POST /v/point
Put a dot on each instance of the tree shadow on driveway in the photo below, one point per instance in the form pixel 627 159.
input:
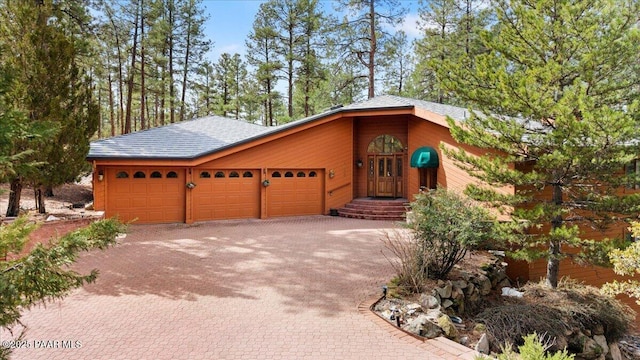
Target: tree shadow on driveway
pixel 323 263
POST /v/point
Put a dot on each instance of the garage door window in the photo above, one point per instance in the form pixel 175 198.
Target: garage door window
pixel 247 174
pixel 276 174
pixel 301 174
pixel 288 174
pixel 122 175
pixel 219 174
pixel 172 175
pixel 205 174
pixel 234 174
pixel 156 175
pixel 139 175
pixel 312 174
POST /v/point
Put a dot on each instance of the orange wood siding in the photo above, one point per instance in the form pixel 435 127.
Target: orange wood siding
pixel 450 176
pixel 368 129
pixel 99 189
pixel 327 146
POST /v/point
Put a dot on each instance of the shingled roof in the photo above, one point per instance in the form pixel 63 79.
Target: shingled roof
pixel 194 138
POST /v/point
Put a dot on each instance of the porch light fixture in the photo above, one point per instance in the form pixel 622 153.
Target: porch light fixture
pixel 359 163
pixel 100 176
pixel 266 182
pixel 191 185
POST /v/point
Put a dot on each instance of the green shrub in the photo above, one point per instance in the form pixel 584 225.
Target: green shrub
pixel 534 348
pixel 446 225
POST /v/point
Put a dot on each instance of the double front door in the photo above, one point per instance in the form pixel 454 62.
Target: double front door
pixel 385 175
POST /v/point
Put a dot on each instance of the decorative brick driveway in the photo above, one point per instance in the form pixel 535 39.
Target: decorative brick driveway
pixel 253 289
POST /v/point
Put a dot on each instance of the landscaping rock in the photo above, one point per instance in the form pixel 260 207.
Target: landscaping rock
pixel 614 352
pixel 433 314
pixel 448 327
pixel 591 350
pixel 483 345
pixel 460 284
pixel 414 325
pixel 602 341
pixel 447 303
pixel 484 284
pixel 431 330
pixel 457 294
pixel 470 289
pixel 445 291
pixel 504 283
pixel 429 302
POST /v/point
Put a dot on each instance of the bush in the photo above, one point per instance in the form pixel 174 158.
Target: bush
pixel 404 259
pixel 556 313
pixel 626 262
pixel 534 348
pixel 446 225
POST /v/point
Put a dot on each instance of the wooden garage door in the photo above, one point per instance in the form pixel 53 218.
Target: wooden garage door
pixel 295 192
pixel 146 194
pixel 226 194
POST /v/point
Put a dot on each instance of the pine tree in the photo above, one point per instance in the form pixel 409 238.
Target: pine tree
pixel 556 105
pixel 261 54
pixel 450 30
pixel 229 73
pixel 362 32
pixel 51 88
pixel 397 64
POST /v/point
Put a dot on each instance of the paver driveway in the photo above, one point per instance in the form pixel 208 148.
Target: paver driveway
pixel 253 289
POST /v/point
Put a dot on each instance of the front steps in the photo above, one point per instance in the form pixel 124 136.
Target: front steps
pixel 375 209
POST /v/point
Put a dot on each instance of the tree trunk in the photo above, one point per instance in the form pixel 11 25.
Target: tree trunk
pixel 237 91
pixel 134 48
pixel 553 262
pixel 290 73
pixel 112 118
pixel 172 94
pixel 120 79
pixel 13 208
pixel 40 205
pixel 100 119
pixel 143 124
pixel 373 48
pixel 185 73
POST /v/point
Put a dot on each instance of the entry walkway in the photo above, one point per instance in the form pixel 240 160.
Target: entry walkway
pixel 290 288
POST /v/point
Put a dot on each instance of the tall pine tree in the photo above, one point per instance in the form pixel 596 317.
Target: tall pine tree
pixel 558 112
pixel 50 88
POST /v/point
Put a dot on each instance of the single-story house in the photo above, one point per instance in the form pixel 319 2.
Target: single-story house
pixel 216 168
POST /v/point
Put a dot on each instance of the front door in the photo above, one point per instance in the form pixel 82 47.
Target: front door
pixel 385 175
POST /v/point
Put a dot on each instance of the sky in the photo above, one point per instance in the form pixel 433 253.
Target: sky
pixel 230 23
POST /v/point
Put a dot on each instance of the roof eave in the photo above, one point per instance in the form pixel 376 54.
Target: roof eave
pixel 274 131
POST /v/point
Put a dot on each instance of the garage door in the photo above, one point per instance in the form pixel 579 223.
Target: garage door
pixel 148 195
pixel 226 194
pixel 295 192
